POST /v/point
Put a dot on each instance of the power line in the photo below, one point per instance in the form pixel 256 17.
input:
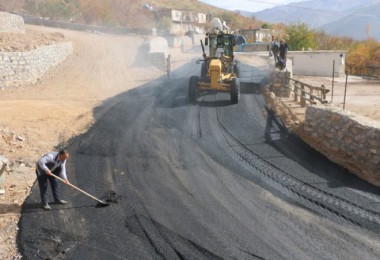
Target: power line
pixel 289 5
pixel 368 15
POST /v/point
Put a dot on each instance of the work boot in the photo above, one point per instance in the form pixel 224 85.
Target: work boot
pixel 46 206
pixel 61 202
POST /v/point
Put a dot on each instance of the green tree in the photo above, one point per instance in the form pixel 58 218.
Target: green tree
pixel 300 36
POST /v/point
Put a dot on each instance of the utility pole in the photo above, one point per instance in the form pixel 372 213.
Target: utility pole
pixel 345 91
pixel 182 43
pixel 333 79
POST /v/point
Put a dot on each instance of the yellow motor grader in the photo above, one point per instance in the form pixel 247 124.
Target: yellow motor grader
pixel 219 69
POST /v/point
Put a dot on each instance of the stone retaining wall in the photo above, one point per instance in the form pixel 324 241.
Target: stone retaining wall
pixel 21 68
pixel 350 140
pixel 279 83
pixel 11 23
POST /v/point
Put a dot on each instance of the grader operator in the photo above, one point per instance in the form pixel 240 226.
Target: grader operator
pixel 219 69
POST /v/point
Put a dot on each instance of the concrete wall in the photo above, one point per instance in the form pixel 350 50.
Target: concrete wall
pixel 20 68
pixel 11 23
pixel 350 140
pixel 252 47
pixel 317 63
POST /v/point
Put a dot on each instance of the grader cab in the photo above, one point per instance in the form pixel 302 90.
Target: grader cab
pixel 219 69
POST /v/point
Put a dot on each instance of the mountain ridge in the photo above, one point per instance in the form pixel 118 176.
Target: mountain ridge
pixel 360 25
pixel 332 16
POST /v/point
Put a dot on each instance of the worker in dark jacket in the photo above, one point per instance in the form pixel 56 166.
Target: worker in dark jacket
pixel 283 51
pixel 49 164
pixel 275 49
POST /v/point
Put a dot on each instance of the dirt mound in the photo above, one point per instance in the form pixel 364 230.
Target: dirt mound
pixel 12 42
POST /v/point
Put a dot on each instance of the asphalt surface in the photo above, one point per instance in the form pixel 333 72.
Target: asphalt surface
pixel 204 181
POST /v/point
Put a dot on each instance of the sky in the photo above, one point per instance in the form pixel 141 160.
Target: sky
pixel 248 5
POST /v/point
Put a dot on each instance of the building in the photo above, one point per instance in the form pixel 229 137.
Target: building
pixel 256 35
pixel 178 22
pixel 318 63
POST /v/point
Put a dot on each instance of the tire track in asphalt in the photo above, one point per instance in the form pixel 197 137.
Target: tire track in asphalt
pixel 311 196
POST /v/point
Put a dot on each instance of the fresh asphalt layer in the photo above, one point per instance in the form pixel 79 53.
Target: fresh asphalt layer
pixel 200 181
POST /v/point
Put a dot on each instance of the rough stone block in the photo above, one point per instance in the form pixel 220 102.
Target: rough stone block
pixel 356 138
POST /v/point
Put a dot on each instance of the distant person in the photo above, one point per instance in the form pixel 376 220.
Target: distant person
pixel 49 164
pixel 225 27
pixel 182 46
pixel 270 46
pixel 275 50
pixel 192 36
pixel 168 69
pixel 283 51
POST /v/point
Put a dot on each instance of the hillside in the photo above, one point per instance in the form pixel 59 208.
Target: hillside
pixel 126 13
pixel 314 13
pixel 359 25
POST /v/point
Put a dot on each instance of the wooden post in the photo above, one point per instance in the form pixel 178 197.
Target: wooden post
pixel 312 96
pixel 333 79
pixel 303 101
pixel 296 91
pixel 345 91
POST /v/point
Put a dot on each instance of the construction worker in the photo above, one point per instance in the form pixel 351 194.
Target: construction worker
pixel 182 46
pixel 283 51
pixel 270 46
pixel 49 164
pixel 275 50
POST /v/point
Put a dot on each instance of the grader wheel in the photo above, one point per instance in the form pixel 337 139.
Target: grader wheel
pixel 235 91
pixel 204 71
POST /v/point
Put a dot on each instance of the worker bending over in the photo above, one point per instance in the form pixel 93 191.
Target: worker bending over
pixel 51 163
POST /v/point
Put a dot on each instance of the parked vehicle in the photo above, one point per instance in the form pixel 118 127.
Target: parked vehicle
pixel 239 39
